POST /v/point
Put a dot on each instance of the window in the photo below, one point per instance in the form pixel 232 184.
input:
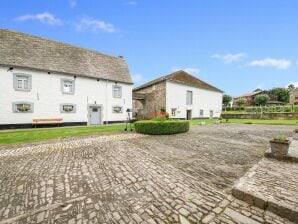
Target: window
pixel 117 109
pixel 22 82
pixel 117 91
pixel 201 113
pixel 22 107
pixel 211 113
pixel 67 108
pixel 189 98
pixel 296 97
pixel 173 111
pixel 67 86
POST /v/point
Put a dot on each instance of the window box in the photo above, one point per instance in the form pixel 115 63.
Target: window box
pixel 67 108
pixel 22 107
pixel 117 110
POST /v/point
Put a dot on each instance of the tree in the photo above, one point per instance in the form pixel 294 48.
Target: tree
pixel 291 87
pixel 280 94
pixel 257 90
pixel 226 100
pixel 261 100
pixel 240 102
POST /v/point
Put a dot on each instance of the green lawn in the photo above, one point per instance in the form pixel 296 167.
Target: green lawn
pixel 260 121
pixel 32 135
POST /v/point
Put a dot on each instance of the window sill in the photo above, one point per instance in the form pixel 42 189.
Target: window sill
pixel 23 90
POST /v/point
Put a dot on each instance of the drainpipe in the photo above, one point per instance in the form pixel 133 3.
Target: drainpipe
pixel 106 109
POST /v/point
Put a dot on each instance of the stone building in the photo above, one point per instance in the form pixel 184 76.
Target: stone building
pixel 46 80
pixel 294 97
pixel 248 97
pixel 181 95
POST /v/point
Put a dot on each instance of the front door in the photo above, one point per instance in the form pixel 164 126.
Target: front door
pixel 188 115
pixel 211 114
pixel 95 115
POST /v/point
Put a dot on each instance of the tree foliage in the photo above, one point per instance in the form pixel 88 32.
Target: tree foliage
pixel 226 99
pixel 291 87
pixel 261 100
pixel 240 102
pixel 280 94
pixel 257 90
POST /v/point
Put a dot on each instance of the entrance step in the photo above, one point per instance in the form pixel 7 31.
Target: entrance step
pixel 271 185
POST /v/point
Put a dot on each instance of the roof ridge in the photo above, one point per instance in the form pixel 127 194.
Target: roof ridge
pixel 60 42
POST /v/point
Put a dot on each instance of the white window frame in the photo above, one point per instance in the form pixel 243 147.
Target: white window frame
pixel 22 77
pixel 174 112
pixel 120 91
pixel 14 107
pixel 189 101
pixel 68 104
pixel 113 107
pixel 73 86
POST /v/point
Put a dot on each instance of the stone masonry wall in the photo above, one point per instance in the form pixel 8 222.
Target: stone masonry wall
pixel 155 99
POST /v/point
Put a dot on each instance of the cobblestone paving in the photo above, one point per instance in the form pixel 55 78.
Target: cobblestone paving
pixel 271 184
pixel 109 179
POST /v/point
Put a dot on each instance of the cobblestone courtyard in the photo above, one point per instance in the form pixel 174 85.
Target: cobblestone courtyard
pixel 131 178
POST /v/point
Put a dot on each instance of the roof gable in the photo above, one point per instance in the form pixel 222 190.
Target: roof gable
pixel 183 78
pixel 29 51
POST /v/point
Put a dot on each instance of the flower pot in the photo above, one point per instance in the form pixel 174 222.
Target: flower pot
pixel 280 148
pixel 295 136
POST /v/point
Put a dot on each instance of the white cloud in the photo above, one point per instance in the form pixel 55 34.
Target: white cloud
pixel 229 58
pixel 72 3
pixel 44 17
pixel 194 71
pixel 137 78
pixel 272 62
pixel 94 25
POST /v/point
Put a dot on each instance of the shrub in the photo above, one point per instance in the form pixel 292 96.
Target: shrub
pixel 280 138
pixel 161 127
pixel 159 118
pixel 296 130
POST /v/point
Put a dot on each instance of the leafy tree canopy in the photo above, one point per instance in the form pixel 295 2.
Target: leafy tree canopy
pixel 280 94
pixel 226 99
pixel 261 100
pixel 257 90
pixel 291 87
pixel 240 102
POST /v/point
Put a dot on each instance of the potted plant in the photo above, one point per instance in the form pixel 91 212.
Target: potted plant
pixel 295 135
pixel 280 145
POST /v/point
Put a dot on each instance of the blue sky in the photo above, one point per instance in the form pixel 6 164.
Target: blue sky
pixel 235 45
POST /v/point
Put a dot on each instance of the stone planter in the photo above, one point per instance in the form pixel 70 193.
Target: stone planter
pixel 295 136
pixel 279 148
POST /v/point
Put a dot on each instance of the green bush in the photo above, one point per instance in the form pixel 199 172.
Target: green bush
pixel 159 118
pixel 161 127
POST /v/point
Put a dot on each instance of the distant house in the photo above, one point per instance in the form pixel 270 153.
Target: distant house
pixel 294 97
pixel 248 97
pixel 44 80
pixel 181 95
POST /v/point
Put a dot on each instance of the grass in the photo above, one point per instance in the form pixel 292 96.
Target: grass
pixel 261 121
pixel 33 135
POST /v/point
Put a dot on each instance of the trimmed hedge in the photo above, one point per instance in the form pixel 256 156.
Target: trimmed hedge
pixel 161 127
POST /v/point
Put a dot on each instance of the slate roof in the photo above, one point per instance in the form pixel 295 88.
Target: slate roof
pixel 249 94
pixel 24 50
pixel 183 78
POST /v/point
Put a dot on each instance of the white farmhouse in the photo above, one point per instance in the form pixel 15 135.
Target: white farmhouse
pixel 43 81
pixel 182 95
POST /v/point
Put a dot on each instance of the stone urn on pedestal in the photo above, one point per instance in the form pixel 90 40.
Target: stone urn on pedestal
pixel 280 145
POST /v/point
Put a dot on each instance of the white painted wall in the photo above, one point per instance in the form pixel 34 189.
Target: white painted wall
pixel 47 96
pixel 202 99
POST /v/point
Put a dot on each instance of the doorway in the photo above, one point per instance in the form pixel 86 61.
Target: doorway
pixel 94 115
pixel 188 115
